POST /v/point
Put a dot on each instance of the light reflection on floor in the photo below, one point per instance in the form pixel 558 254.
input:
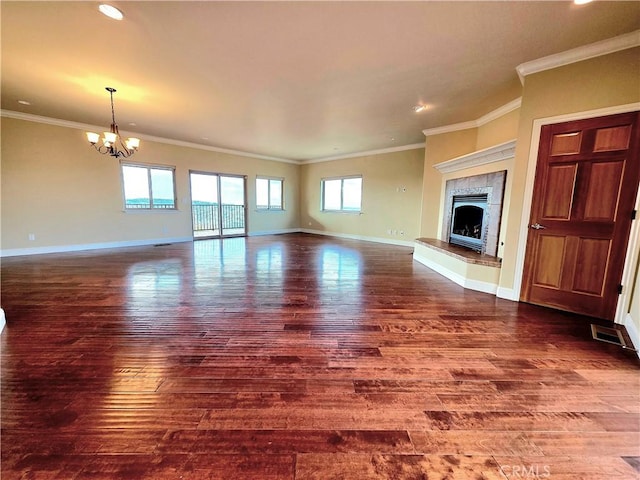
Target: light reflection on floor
pixel 149 281
pixel 234 268
pixel 340 270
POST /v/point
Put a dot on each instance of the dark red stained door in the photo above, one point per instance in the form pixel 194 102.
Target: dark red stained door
pixel 584 193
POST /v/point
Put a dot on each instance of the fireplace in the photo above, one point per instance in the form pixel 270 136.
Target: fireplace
pixel 468 221
pixel 472 213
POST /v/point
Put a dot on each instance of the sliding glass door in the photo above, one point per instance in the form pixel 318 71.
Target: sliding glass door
pixel 232 200
pixel 218 205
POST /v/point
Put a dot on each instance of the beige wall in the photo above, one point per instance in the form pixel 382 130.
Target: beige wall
pixel 446 146
pixel 498 131
pixel 55 186
pixel 439 148
pixel 385 205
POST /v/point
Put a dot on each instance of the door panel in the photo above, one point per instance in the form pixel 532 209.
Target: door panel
pixel 205 205
pixel 614 138
pixel 603 191
pixel 590 269
pixel 232 200
pixel 549 274
pixel 585 188
pixel 559 191
pixel 566 143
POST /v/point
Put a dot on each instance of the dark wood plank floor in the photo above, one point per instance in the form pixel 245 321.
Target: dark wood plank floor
pixel 298 357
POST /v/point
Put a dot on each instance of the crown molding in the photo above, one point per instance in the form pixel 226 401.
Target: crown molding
pixel 483 120
pixel 413 146
pixel 85 126
pixel 585 52
pixel 500 111
pixel 169 141
pixel 454 127
pixel 493 154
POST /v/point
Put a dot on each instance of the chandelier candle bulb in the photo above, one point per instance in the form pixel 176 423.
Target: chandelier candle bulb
pixel 93 137
pixel 109 137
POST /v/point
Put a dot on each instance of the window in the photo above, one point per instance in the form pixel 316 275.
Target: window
pixel 147 187
pixel 269 193
pixel 342 194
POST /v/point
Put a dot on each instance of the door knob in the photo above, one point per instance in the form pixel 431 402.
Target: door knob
pixel 537 226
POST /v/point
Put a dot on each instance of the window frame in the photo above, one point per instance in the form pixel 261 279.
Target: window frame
pixel 342 209
pixel 269 207
pixel 149 167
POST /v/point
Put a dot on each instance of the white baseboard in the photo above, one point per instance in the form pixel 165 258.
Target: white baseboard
pixel 507 294
pixel 632 330
pixel 3 320
pixel 471 284
pixel 14 252
pixel 274 232
pixel 388 241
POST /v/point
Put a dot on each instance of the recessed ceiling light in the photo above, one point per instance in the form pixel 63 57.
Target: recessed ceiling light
pixel 111 12
pixel 581 2
pixel 24 102
pixel 132 124
pixel 420 108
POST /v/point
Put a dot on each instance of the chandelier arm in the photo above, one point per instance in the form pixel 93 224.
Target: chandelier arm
pixel 99 148
pixel 126 149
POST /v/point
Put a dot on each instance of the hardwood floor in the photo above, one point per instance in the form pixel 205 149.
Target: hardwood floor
pixel 298 357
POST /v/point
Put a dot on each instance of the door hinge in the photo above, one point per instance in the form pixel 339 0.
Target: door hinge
pixel 620 289
pixel 633 214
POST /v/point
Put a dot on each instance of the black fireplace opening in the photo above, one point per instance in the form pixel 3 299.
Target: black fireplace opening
pixel 468 221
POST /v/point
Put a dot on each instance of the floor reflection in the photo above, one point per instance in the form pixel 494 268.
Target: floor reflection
pixel 149 283
pixel 215 257
pixel 269 265
pixel 340 270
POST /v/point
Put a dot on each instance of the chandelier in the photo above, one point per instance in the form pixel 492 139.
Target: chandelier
pixel 112 143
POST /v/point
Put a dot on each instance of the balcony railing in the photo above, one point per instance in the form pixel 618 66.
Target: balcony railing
pixel 147 206
pixel 206 217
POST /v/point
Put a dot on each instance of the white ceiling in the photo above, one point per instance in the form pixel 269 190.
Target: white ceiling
pixel 292 80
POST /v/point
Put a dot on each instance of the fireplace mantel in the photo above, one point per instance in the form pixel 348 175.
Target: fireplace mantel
pixel 493 154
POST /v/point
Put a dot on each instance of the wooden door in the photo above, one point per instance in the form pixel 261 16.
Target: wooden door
pixel 584 193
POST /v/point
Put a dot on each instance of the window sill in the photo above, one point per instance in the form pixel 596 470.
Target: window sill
pixel 346 212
